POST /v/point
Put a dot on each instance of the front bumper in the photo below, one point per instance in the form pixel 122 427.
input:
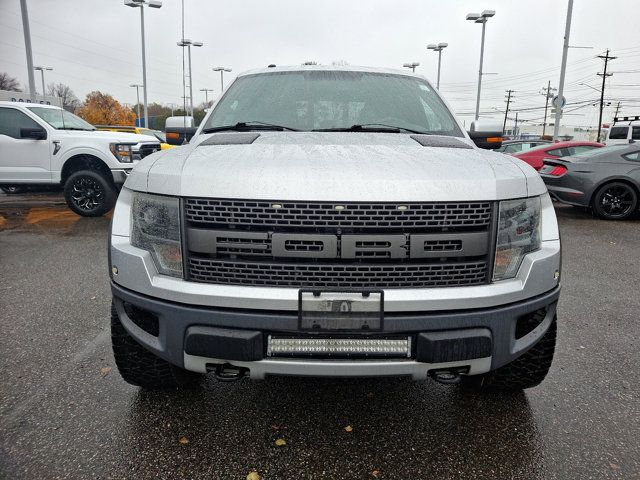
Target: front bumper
pixel 239 336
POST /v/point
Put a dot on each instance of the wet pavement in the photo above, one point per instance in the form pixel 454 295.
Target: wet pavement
pixel 65 412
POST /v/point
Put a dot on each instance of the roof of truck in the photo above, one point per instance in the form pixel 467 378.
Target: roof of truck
pixel 332 68
pixel 5 103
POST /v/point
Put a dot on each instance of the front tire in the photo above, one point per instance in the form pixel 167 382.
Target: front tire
pixel 527 371
pixel 139 367
pixel 89 193
pixel 615 201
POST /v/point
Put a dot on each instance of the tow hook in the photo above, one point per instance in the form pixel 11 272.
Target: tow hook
pixel 449 376
pixel 229 373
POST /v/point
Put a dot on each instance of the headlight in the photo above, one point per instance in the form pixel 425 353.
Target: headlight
pixel 518 234
pixel 122 151
pixel 155 227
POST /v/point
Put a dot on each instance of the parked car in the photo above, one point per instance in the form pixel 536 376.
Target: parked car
pixel 157 134
pixel 518 146
pixel 46 145
pixel 536 156
pixel 606 179
pixel 334 221
pixel 623 130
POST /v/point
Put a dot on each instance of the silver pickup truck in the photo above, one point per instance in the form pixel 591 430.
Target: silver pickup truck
pixel 334 221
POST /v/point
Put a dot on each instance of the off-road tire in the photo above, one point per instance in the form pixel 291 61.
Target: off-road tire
pixel 620 190
pixel 140 367
pixel 89 193
pixel 527 371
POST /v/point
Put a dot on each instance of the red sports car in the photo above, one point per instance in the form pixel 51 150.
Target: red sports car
pixel 536 156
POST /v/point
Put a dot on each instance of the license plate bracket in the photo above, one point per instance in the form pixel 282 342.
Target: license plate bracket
pixel 355 310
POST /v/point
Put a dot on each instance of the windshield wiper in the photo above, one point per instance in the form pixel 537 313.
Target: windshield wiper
pixel 369 127
pixel 80 129
pixel 253 125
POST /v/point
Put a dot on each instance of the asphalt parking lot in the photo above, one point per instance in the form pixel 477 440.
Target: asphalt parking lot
pixel 66 413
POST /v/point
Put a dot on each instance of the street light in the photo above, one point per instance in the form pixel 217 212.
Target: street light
pixel 221 70
pixel 185 42
pixel 480 18
pixel 206 94
pixel 42 69
pixel 137 87
pixel 412 66
pixel 141 4
pixel 438 48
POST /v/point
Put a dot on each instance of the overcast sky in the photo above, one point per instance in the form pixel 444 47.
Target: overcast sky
pixel 95 45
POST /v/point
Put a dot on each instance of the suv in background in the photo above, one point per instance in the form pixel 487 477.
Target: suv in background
pixel 624 130
pixel 46 145
pixel 157 134
pixel 334 221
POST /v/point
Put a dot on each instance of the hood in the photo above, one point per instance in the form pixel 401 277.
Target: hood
pixel 332 166
pixel 123 137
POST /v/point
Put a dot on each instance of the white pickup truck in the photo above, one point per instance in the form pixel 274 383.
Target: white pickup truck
pixel 43 144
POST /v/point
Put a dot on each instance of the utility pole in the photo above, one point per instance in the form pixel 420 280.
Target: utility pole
pixel 615 115
pixel 27 46
pixel 547 94
pixel 563 68
pixel 515 128
pixel 506 112
pixel 604 76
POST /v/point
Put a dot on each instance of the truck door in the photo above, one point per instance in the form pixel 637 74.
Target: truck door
pixel 22 160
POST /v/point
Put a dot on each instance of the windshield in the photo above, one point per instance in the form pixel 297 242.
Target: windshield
pixel 61 119
pixel 600 151
pixel 154 133
pixel 319 100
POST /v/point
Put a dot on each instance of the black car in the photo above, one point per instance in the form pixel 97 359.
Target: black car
pixel 606 179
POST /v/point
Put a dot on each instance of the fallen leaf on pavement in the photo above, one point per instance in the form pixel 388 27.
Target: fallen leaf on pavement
pixel 104 371
pixel 375 473
pixel 348 428
pixel 253 476
pixel 184 440
pixel 280 442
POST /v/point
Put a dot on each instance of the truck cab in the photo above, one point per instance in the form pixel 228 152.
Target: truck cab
pixel 624 130
pixel 46 145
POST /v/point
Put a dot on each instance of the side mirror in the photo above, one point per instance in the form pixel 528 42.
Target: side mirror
pixel 179 135
pixel 486 134
pixel 35 133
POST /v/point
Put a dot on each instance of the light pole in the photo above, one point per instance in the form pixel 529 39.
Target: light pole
pixel 480 18
pixel 206 94
pixel 137 87
pixel 563 68
pixel 185 42
pixel 438 48
pixel 221 70
pixel 42 69
pixel 412 66
pixel 141 4
pixel 27 44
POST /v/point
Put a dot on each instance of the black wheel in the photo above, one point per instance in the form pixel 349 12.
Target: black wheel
pixel 89 193
pixel 615 201
pixel 526 371
pixel 140 367
pixel 13 189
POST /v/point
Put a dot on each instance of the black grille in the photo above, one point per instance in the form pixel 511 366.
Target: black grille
pixel 148 149
pixel 330 275
pixel 359 216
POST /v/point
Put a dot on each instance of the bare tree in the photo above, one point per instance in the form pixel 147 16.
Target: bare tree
pixel 69 99
pixel 9 83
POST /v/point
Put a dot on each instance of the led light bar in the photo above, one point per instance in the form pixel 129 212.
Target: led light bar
pixel 335 347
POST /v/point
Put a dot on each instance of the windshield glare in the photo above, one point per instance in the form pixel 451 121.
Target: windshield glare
pixel 316 100
pixel 61 119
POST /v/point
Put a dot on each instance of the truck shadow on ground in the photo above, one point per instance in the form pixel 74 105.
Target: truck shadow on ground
pixel 231 429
